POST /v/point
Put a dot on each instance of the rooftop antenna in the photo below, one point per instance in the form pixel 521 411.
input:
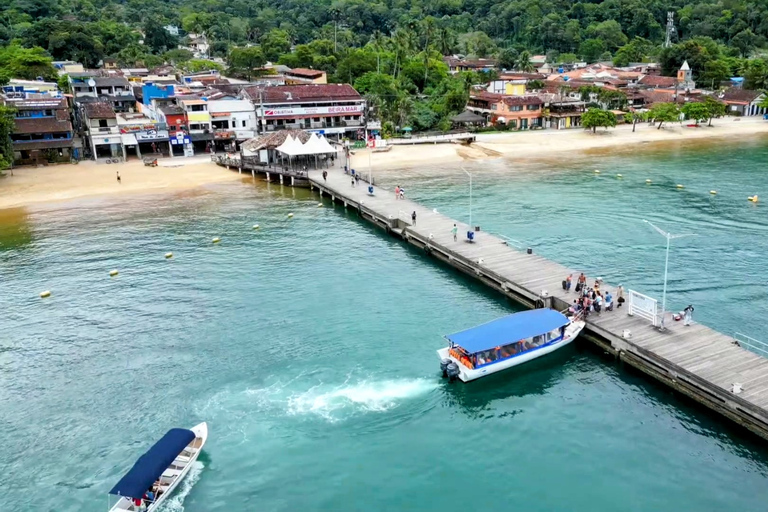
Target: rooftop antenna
pixel 670 29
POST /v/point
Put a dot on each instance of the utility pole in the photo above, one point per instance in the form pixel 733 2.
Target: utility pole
pixel 260 119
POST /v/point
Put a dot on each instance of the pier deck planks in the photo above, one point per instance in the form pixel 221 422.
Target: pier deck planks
pixel 708 358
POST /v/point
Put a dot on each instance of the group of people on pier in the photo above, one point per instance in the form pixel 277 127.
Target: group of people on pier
pixel 591 299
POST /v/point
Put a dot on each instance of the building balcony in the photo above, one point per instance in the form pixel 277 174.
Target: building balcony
pixel 102 130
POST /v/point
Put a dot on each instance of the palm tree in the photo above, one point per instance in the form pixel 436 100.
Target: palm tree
pixel 445 41
pixel 429 29
pixel 523 62
pixel 401 45
pixel 378 40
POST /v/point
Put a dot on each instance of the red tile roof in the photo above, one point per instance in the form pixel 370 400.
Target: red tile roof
pixel 523 100
pixel 99 110
pixel 305 73
pixel 739 95
pixel 658 81
pixel 42 125
pixel 309 92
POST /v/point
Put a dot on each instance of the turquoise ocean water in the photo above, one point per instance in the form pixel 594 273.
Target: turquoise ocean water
pixel 309 345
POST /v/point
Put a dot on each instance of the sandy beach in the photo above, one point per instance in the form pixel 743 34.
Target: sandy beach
pixel 34 185
pixel 30 185
pixel 545 143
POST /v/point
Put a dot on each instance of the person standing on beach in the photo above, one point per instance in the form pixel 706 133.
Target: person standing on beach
pixel 118 178
pixel 455 231
pixel 413 217
pixel 397 192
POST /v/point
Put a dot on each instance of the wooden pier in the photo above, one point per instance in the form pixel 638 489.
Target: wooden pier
pixel 695 360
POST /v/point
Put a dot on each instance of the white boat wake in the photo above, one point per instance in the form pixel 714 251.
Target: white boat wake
pixel 176 502
pixel 377 396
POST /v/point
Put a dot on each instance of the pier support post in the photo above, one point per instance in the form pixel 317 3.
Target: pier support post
pixel 253 173
pixel 267 177
pixel 345 204
pixel 227 167
pixel 281 179
pixel 239 170
pixel 292 181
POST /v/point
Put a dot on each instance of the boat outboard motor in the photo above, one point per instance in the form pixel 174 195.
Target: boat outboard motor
pixel 453 371
pixel 444 367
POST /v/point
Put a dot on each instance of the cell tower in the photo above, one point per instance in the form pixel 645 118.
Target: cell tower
pixel 670 29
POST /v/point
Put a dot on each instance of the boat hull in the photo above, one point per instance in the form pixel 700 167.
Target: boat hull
pixel 468 374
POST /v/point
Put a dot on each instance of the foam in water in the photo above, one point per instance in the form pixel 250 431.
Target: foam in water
pixel 362 397
pixel 176 502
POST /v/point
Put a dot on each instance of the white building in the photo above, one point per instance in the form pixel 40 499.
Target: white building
pixel 232 120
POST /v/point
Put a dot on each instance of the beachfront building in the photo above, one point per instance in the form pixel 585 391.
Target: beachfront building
pixel 232 121
pixel 42 131
pixel 199 123
pixel 100 121
pixel 175 118
pixel 82 84
pixel 517 112
pixel 563 113
pixel 335 110
pixel 117 91
pixel 141 135
pixel 742 102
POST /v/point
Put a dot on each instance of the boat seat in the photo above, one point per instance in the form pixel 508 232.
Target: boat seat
pixel 171 473
pixel 182 459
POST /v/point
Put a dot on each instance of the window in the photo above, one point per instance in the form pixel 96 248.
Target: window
pixel 516 108
pixel 534 107
pixel 316 119
pixel 244 123
pixel 102 123
pixel 493 106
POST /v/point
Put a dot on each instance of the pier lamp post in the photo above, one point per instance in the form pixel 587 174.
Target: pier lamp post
pixel 668 236
pixel 470 196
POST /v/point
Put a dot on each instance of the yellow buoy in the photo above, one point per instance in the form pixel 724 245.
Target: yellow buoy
pixel 168 255
pixel 113 273
pixel 290 215
pixel 753 198
pixel 319 205
pixel 46 293
pixel 619 176
pixel 597 172
pixel 680 186
pixel 216 240
pixel 255 226
pixel 648 181
pixel 713 192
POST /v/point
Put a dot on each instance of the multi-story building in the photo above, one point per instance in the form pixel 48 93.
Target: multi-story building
pixel 175 118
pixel 43 131
pixel 517 112
pixel 141 135
pixel 232 120
pixel 198 122
pixel 305 76
pixel 117 91
pixel 330 109
pixel 100 121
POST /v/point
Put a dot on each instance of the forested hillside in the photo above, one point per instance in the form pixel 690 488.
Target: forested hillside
pixel 390 50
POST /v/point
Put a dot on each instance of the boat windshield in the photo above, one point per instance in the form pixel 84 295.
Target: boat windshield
pixel 503 352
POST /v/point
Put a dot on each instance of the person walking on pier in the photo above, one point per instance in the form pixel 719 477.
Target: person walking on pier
pixel 688 315
pixel 325 176
pixel 455 231
pixel 413 217
pixel 353 181
pixel 619 296
pixel 568 282
pixel 581 282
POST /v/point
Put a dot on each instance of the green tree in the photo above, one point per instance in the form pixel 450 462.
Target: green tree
pixel 63 83
pixel 7 125
pixel 156 37
pixel 594 118
pixel 568 58
pixel 26 63
pixel 178 56
pixel 524 63
pixel 714 108
pixel 609 32
pixel 755 72
pixel 715 71
pixel 664 112
pixel 246 59
pixel 274 43
pixel 198 65
pixel 591 49
pixel 695 111
pixel 506 58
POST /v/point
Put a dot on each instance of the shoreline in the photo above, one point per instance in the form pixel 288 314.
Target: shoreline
pixel 31 186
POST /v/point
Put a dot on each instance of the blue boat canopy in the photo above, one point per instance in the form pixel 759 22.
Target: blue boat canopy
pixel 508 329
pixel 151 465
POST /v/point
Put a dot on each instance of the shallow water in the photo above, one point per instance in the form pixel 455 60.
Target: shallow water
pixel 308 347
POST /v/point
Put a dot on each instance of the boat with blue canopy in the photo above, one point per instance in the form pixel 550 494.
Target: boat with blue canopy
pixel 506 342
pixel 160 470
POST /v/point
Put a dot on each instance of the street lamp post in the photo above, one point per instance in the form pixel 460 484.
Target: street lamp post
pixel 470 197
pixel 668 236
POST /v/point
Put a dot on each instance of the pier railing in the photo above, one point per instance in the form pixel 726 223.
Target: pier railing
pixel 758 347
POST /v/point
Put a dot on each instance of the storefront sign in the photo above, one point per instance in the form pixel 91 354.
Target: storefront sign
pixel 137 128
pixel 152 134
pixel 298 111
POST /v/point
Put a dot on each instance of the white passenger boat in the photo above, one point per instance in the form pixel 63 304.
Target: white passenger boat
pixel 160 470
pixel 506 342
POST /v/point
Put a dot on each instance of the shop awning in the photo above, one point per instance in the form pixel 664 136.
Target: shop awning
pixel 128 139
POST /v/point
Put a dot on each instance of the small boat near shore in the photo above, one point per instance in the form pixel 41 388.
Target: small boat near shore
pixel 506 342
pixel 160 470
